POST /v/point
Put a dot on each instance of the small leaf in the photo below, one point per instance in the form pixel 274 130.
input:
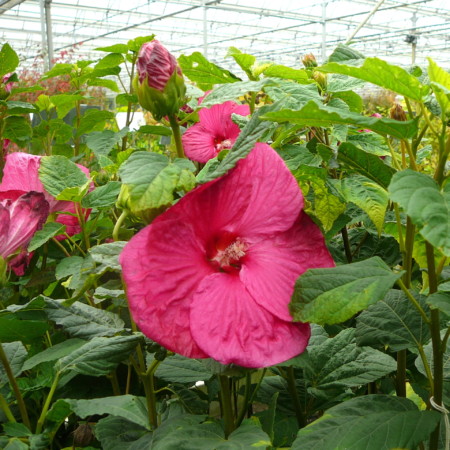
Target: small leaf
pixel 154 129
pixel 441 301
pixel 49 231
pixel 278 71
pixel 65 102
pixel 93 120
pixel 16 354
pixel 8 60
pixel 295 95
pixel 428 206
pixel 102 142
pixel 379 422
pixel 103 196
pixel 244 60
pixel 111 60
pixel 17 129
pixel 178 369
pixel 344 53
pixel 328 296
pixel 116 48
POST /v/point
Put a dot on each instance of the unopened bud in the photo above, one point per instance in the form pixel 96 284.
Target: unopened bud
pixel 309 60
pixel 320 78
pixel 6 87
pixel 397 113
pixel 159 83
pixel 83 435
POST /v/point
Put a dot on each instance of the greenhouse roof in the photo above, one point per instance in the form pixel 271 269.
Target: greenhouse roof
pixel 398 31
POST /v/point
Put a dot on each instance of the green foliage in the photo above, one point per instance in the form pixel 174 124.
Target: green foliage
pixel 8 60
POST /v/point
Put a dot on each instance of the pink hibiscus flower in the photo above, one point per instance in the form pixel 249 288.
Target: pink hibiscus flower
pixel 214 274
pixel 21 215
pixel 21 172
pixel 215 131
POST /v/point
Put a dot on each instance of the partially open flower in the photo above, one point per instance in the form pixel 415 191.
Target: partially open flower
pixel 214 274
pixel 159 83
pixel 397 113
pixel 214 132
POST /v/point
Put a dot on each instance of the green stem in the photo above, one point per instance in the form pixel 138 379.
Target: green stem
pixel 114 383
pixel 5 407
pixel 347 248
pixel 46 407
pixel 401 242
pixel 76 140
pixel 120 220
pixel 176 135
pixel 412 159
pixel 82 221
pixel 290 378
pixel 63 249
pixel 13 382
pixel 438 366
pixel 413 301
pixel 252 102
pixel 409 247
pixel 443 156
pixel 148 381
pixel 426 365
pixel 227 409
pixel 244 408
pixel 401 374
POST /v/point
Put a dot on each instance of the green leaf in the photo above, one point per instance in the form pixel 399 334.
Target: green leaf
pixel 107 255
pixel 352 99
pixel 295 95
pixel 232 91
pixel 16 354
pixel 393 322
pixel 440 79
pixel 57 173
pixel 83 321
pixel 203 72
pixel 15 107
pixel 369 196
pixel 381 73
pixel 155 129
pixel 57 70
pixel 102 142
pixel 109 84
pixel 49 231
pixel 117 433
pixel 128 407
pixel 16 429
pixel 342 83
pixel 328 296
pixel 99 356
pixel 428 206
pixel 17 129
pixel 111 60
pixel 94 120
pixel 278 71
pixel 244 60
pixel 103 196
pixel 178 369
pixel 379 422
pixel 124 99
pixel 8 60
pixel 350 366
pixel 344 53
pixel 245 142
pixel 53 353
pixel 151 179
pixel 13 329
pixel 135 44
pixel 65 102
pixel 441 301
pixel 370 143
pixel 366 164
pixel 313 114
pixel 116 48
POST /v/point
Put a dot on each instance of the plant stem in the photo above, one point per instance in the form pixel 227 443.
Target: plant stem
pixel 244 409
pixel 347 248
pixel 413 301
pixel 401 374
pixel 149 387
pixel 227 409
pixel 13 382
pixel 290 378
pixel 176 135
pixel 443 156
pixel 5 407
pixel 252 102
pixel 409 247
pixel 114 383
pixel 438 366
pixel 48 400
pixel 120 220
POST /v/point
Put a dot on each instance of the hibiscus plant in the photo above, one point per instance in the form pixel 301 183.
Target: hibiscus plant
pixel 263 264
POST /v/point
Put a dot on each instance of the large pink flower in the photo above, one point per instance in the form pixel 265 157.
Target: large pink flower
pixel 214 132
pixel 214 274
pixel 21 215
pixel 21 173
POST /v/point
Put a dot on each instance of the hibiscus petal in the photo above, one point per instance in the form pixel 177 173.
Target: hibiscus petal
pixel 231 327
pixel 272 266
pixel 162 266
pixel 198 144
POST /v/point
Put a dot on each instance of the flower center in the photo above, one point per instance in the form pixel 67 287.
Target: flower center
pixel 226 253
pixel 223 145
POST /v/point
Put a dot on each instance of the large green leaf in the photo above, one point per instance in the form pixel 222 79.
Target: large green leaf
pixel 344 53
pixel 151 180
pixel 99 356
pixel 178 369
pixel 313 114
pixel 49 231
pixel 427 205
pixel 278 71
pixel 102 142
pixel 94 120
pixel 366 164
pixel 369 196
pixel 440 82
pixel 110 60
pixel 102 196
pixel 16 354
pixel 328 296
pixel 393 321
pixel 117 433
pixel 350 366
pixel 8 60
pixel 14 329
pixel 206 74
pixel 62 178
pixel 65 102
pixel 83 321
pixel 17 129
pixel 295 95
pixel 379 422
pixel 244 60
pixel 382 74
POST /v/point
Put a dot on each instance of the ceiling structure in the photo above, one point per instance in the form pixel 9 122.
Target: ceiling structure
pixel 282 31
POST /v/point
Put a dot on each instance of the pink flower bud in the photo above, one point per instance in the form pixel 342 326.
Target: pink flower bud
pixel 159 82
pixel 8 86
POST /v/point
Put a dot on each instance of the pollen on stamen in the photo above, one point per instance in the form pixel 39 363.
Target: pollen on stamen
pixel 230 257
